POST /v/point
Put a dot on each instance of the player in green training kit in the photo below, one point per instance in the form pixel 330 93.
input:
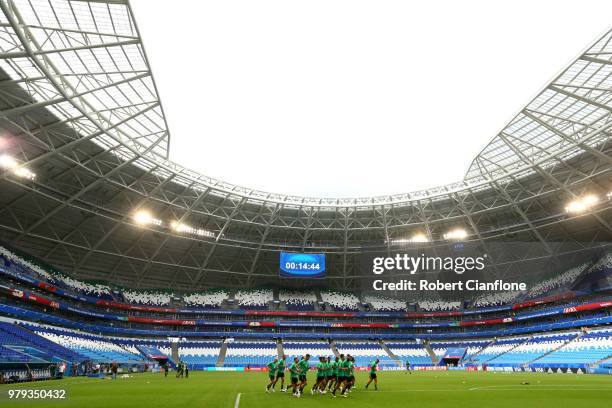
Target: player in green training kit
pixel 350 378
pixel 342 374
pixel 272 374
pixel 331 381
pixel 321 370
pixel 328 374
pixel 304 366
pixel 294 373
pixel 373 370
pixel 280 373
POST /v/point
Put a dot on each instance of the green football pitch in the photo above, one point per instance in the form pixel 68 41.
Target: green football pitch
pixel 396 389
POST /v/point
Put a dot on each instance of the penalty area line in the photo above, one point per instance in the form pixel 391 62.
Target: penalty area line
pixel 237 402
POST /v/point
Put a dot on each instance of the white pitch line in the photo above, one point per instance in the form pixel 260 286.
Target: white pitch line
pixel 237 403
pixel 540 386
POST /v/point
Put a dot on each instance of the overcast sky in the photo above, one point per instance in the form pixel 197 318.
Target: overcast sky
pixel 342 98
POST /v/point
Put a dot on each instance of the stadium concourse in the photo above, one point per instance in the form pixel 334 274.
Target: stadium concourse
pixel 117 262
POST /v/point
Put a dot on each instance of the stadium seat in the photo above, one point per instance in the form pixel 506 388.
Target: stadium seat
pixel 252 353
pixel 254 299
pixel 295 300
pixel 385 304
pixel 412 352
pixel 341 301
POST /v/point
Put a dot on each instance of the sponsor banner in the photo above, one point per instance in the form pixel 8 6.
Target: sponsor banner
pixel 364 325
pixel 429 368
pixel 310 314
pixel 395 367
pixel 483 322
pixel 540 313
pixel 544 300
pixel 261 324
pixel 588 306
pixel 502 369
pixel 492 309
pixel 433 314
pixel 224 369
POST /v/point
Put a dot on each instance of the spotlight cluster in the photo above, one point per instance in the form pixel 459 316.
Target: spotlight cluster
pixel 583 204
pixel 144 217
pixel 419 237
pixel 9 163
pixel 180 227
pixel 415 239
pixel 457 234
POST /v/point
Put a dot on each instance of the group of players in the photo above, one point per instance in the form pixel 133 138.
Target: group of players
pixel 182 370
pixel 332 375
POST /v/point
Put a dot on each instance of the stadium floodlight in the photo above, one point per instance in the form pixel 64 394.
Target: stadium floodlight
pixel 144 217
pixel 582 204
pixel 180 227
pixel 456 234
pixel 24 173
pixel 9 163
pixel 419 237
pixel 416 238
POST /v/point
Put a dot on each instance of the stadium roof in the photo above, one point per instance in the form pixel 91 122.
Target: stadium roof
pixel 79 106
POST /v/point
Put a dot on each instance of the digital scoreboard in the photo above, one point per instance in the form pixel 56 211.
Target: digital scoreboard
pixel 302 265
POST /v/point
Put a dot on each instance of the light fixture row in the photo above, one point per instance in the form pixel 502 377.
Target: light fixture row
pixel 456 234
pixel 144 217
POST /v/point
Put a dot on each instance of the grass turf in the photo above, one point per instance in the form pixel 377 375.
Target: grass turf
pixel 421 389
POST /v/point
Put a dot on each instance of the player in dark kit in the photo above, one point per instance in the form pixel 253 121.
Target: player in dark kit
pixel 280 374
pixel 373 370
pixel 165 367
pixel 179 369
pixel 271 374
